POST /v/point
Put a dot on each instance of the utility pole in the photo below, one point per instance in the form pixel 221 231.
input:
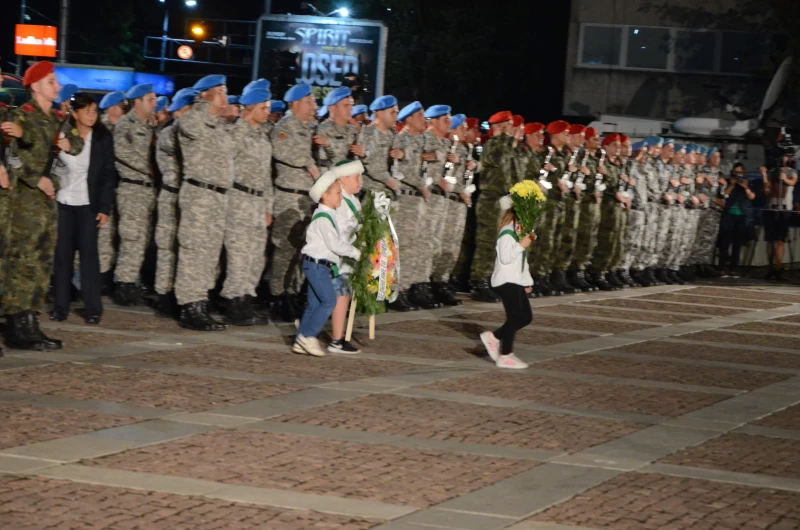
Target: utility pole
pixel 23 8
pixel 164 29
pixel 267 7
pixel 62 32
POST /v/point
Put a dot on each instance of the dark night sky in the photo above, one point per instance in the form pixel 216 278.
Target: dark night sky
pixel 539 75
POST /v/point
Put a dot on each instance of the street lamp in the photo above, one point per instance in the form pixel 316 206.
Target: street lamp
pixel 165 28
pixel 342 11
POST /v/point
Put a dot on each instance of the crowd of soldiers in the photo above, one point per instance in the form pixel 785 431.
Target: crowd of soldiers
pixel 210 171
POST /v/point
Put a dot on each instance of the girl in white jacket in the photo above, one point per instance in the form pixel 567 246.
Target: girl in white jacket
pixel 511 281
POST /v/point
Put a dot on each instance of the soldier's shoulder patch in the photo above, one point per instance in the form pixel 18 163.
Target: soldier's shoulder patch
pixel 75 132
pixel 283 135
pixel 27 107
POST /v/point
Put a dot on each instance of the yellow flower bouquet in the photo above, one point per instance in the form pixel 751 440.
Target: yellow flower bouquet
pixel 529 204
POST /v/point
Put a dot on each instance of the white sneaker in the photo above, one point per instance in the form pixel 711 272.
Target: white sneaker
pixel 491 343
pixel 511 362
pixel 343 347
pixel 309 345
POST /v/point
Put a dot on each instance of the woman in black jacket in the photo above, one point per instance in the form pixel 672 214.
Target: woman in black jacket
pixel 735 198
pixel 84 202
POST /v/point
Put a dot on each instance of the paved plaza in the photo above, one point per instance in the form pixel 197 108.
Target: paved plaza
pixel 667 408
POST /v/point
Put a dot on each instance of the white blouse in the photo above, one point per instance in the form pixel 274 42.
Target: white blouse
pixel 74 184
pixel 511 264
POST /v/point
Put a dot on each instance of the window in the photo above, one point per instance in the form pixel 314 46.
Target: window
pixel 695 50
pixel 743 53
pixel 648 47
pixel 601 45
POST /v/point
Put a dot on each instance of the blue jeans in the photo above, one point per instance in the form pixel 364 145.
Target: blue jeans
pixel 321 299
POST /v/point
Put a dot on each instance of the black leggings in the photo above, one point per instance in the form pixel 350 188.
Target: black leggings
pixel 518 313
pixel 732 232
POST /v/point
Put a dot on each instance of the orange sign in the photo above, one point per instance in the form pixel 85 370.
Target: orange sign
pixel 185 52
pixel 34 40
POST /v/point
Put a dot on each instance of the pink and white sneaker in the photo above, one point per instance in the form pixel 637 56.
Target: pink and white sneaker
pixel 491 343
pixel 510 362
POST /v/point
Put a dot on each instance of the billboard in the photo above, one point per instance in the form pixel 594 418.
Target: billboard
pixel 110 79
pixel 38 41
pixel 320 52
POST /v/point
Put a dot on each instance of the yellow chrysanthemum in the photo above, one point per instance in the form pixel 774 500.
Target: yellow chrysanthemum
pixel 528 189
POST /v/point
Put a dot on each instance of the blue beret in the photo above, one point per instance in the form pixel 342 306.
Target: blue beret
pixel 669 141
pixel 383 103
pixel 66 92
pixel 255 96
pixel 112 99
pixel 277 106
pixel 437 111
pixel 358 109
pixel 691 148
pixel 680 147
pixel 233 100
pixel 258 83
pixel 638 146
pixel 650 141
pixel 209 82
pixel 297 92
pixel 161 103
pixel 457 121
pixel 712 151
pixel 408 110
pixel 139 91
pixel 336 95
pixel 702 150
pixel 183 97
pixel 322 112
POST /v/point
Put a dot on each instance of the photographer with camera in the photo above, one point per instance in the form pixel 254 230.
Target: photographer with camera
pixel 734 198
pixel 778 189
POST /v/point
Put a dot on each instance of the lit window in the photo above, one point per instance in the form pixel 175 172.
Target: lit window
pixel 601 45
pixel 648 47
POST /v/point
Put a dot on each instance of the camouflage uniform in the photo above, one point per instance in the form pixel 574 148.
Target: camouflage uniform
pixel 5 201
pixel 612 219
pixel 495 181
pixel 207 151
pixel 416 247
pixel 168 158
pixel 440 206
pixel 292 207
pixel 246 229
pixel 565 245
pixel 589 222
pixel 455 222
pixel 708 223
pixel 31 216
pixel 652 209
pixel 618 253
pixel 136 194
pixel 377 145
pixel 549 236
pixel 107 234
pixel 339 141
pixel 665 211
pixel 674 221
pixel 637 218
pixel 692 216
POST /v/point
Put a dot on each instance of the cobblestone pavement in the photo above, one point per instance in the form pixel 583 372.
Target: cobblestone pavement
pixel 668 408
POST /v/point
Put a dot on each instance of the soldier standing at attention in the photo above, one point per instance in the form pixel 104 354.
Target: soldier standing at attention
pixel 170 164
pixel 113 107
pixel 637 217
pixel 495 180
pixel 359 117
pixel 589 204
pixel 207 150
pixel 295 172
pixel 621 276
pixel 32 208
pixel 136 193
pixel 249 210
pixel 378 140
pixel 337 134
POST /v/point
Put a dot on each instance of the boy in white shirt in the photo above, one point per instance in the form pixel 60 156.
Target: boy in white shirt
pixel 348 219
pixel 321 259
pixel 511 281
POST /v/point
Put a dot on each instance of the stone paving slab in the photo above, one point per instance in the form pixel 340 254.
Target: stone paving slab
pixel 651 305
pixel 790 318
pixel 620 313
pixel 177 392
pixel 32 503
pixel 71 449
pixel 744 294
pixel 556 322
pixel 736 303
pixel 719 336
pixel 460 422
pixel 601 396
pixel 23 424
pixel 712 353
pixel 657 502
pixel 662 371
pixel 788 419
pixel 769 328
pixel 311 465
pixel 77 340
pixel 472 331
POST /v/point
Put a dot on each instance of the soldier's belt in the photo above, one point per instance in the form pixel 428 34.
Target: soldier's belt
pixel 440 192
pixel 249 191
pixel 218 189
pixel 171 189
pixel 455 197
pixel 281 163
pixel 137 182
pixel 290 190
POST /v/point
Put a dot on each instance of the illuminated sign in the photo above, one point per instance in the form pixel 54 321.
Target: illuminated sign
pixel 185 52
pixel 39 41
pixel 110 80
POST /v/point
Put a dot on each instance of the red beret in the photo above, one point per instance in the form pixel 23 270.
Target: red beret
pixel 37 72
pixel 577 128
pixel 519 121
pixel 613 137
pixel 557 127
pixel 623 138
pixel 533 128
pixel 472 123
pixel 501 117
pixel 590 132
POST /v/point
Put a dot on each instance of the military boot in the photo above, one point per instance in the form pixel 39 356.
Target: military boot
pixel 559 281
pixel 257 318
pixel 237 314
pixel 650 276
pixel 687 273
pixel 442 293
pixel 638 276
pixel 549 287
pixel 22 333
pixel 195 316
pixel 127 294
pixel 418 296
pixel 600 282
pixel 286 308
pixel 615 282
pixel 674 277
pixel 575 278
pixel 33 323
pixel 481 292
pixel 167 306
pixel 625 278
pixel 401 304
pixel 662 277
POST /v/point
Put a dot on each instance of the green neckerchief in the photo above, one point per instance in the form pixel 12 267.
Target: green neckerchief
pixel 353 208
